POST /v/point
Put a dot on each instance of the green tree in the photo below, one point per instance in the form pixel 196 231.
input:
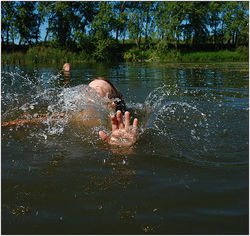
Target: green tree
pixel 86 12
pixel 103 23
pixel 121 18
pixel 197 18
pixel 134 26
pixel 214 19
pixel 7 21
pixel 64 20
pixel 43 10
pixel 235 19
pixel 61 25
pixel 170 17
pixel 102 30
pixel 26 21
pixel 148 18
pixel 49 14
pixel 140 21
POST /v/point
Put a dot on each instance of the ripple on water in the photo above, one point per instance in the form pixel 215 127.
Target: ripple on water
pixel 188 124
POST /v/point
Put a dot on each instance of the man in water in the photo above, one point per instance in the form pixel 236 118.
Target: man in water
pixel 122 133
pixel 66 67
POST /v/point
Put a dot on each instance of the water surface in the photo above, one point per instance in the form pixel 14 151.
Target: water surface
pixel 187 174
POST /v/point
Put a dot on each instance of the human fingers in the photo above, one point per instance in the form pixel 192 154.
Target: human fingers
pixel 103 136
pixel 127 124
pixel 119 119
pixel 135 127
pixel 114 123
pixel 135 123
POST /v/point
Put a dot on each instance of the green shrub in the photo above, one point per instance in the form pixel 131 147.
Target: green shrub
pixel 83 56
pixel 131 55
pixel 32 54
pixel 105 50
pixel 170 55
pixel 163 46
pixel 110 50
pixel 135 54
pixel 213 56
pixel 12 58
pixel 46 55
pixel 243 50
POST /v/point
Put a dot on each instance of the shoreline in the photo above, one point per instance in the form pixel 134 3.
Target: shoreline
pixel 38 55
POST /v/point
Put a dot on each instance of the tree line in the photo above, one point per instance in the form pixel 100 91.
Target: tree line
pixel 100 27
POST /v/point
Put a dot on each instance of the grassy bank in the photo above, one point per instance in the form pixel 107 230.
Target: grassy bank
pixel 53 55
pixel 172 55
pixel 43 55
pixel 214 56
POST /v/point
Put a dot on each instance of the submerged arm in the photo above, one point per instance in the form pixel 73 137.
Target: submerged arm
pixel 36 120
pixel 122 134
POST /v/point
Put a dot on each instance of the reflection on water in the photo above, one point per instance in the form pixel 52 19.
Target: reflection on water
pixel 189 166
pixel 66 78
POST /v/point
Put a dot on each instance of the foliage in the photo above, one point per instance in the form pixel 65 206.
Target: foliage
pixel 131 55
pixel 105 49
pixel 52 55
pixel 103 22
pixel 243 50
pixel 9 29
pixel 135 55
pixel 99 30
pixel 12 58
pixel 213 56
pixel 170 56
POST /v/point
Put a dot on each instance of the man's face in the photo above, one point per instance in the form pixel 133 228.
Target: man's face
pixel 67 67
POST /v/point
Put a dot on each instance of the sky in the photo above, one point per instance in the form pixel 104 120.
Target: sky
pixel 43 30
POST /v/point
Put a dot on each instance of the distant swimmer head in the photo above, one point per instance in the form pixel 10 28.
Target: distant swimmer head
pixel 107 90
pixel 66 67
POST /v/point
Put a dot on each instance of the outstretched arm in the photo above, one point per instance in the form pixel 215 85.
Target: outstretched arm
pixel 37 120
pixel 122 134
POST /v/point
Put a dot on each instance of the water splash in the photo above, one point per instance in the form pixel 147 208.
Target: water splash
pixel 188 124
pixel 28 96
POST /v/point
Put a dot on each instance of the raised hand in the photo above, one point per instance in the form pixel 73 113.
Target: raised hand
pixel 122 134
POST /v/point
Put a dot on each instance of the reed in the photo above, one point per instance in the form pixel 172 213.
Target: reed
pixel 51 55
pixel 214 56
pixel 12 58
pixel 42 54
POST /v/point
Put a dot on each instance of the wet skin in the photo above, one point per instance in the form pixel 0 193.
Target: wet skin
pixel 122 134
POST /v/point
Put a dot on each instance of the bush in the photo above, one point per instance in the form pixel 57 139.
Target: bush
pixel 163 46
pixel 213 56
pixel 84 56
pixel 135 54
pixel 170 55
pixel 85 43
pixel 106 50
pixel 243 50
pixel 32 54
pixel 12 58
pixel 131 55
pixel 43 54
pixel 110 50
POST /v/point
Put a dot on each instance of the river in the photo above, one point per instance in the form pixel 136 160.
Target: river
pixel 187 174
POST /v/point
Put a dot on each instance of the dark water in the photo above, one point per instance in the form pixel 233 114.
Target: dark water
pixel 187 174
